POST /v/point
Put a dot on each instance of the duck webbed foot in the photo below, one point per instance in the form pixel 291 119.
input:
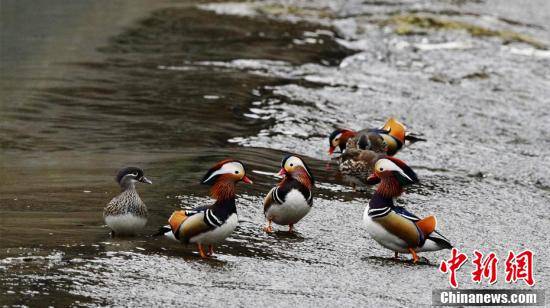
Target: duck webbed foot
pixel 414 255
pixel 201 251
pixel 268 228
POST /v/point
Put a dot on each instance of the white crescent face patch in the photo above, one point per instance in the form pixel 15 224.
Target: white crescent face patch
pixel 335 140
pixel 227 168
pixel 131 176
pixel 387 165
pixel 293 162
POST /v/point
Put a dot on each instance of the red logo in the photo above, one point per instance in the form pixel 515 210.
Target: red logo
pixel 518 267
pixel 485 268
pixel 452 265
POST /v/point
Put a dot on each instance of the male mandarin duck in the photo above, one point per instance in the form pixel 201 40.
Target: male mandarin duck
pixel 389 139
pixel 126 214
pixel 393 226
pixel 212 224
pixel 292 198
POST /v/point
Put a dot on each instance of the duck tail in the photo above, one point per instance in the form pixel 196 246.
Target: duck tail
pixel 440 240
pixel 162 231
pixel 412 138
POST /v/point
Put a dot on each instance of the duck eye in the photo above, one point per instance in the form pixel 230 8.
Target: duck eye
pixel 381 169
pixel 291 165
pixel 236 172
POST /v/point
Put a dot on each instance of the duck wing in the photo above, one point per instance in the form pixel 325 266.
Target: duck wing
pixel 427 226
pixel 188 224
pixel 270 199
pixel 405 213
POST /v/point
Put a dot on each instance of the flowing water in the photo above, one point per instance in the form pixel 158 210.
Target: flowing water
pixel 173 87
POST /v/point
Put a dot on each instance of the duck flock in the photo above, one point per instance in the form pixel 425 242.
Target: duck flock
pixel 366 158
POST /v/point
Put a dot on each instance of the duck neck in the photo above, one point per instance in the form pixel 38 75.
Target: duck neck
pixel 389 187
pixel 127 186
pixel 378 201
pixel 299 175
pixel 224 193
pixel 226 206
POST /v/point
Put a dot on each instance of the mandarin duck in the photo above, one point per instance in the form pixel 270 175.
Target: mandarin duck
pixel 360 150
pixel 212 224
pixel 393 226
pixel 356 164
pixel 126 214
pixel 388 139
pixel 291 200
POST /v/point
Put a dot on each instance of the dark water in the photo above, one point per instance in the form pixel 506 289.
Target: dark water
pixel 174 88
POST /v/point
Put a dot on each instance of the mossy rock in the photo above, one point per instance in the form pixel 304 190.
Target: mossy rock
pixel 413 23
pixel 277 10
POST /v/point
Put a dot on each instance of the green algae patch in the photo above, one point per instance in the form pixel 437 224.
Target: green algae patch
pixel 419 24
